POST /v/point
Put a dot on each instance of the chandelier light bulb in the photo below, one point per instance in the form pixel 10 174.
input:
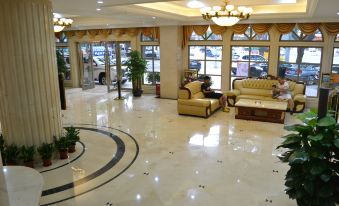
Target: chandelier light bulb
pixel 216 8
pixel 61 23
pixel 229 7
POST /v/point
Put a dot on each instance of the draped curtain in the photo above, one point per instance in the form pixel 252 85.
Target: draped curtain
pixel 285 28
pixel 308 28
pixel 261 28
pixel 200 30
pixel 240 28
pixel 332 28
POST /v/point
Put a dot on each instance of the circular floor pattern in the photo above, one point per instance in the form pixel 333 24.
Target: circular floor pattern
pixel 108 153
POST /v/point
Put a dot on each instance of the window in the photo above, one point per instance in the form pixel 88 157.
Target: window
pixel 64 51
pixel 152 55
pixel 144 38
pixel 208 36
pixel 297 35
pixel 249 61
pixel 337 38
pixel 62 38
pixel 207 60
pixel 301 64
pixel 251 35
pixel 335 63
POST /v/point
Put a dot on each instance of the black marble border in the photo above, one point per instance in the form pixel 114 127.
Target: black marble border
pixel 82 152
pixel 71 185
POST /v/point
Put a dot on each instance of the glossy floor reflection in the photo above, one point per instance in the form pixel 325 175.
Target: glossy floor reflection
pixel 182 160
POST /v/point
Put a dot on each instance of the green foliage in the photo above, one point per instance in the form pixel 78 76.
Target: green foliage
pixel 153 75
pixel 72 134
pixel 136 68
pixel 312 153
pixel 11 153
pixel 2 145
pixel 46 150
pixel 27 153
pixel 62 143
pixel 61 64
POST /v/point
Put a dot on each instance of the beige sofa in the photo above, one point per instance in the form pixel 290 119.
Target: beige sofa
pixel 192 101
pixel 260 89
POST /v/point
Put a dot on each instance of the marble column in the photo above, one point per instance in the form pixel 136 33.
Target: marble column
pixel 29 93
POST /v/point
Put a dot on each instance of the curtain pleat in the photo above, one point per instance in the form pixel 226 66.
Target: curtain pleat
pixel 200 29
pixel 80 33
pixel 69 34
pixel 93 33
pixel 308 28
pixel 132 32
pixel 105 32
pixel 187 32
pixel 285 28
pixel 216 29
pixel 240 28
pixel 261 28
pixel 332 28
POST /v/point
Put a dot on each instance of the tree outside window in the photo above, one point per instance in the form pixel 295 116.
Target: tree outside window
pixel 151 54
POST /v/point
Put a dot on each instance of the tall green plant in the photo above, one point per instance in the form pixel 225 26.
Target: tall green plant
pixel 313 156
pixel 72 134
pixel 136 68
pixel 61 64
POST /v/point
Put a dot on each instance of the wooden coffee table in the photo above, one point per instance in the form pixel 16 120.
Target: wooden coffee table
pixel 261 110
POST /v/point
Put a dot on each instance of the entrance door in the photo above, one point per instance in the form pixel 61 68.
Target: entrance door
pixel 111 68
pixel 86 65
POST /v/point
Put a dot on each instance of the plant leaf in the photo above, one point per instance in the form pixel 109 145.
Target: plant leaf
pixel 336 142
pixel 291 127
pixel 309 187
pixel 317 137
pixel 325 177
pixel 325 191
pixel 298 157
pixel 318 167
pixel 326 122
pixel 291 138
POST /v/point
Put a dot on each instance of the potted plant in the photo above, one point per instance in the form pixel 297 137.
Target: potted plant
pixel 136 68
pixel 313 156
pixel 27 155
pixel 2 148
pixel 62 69
pixel 72 135
pixel 46 151
pixel 62 145
pixel 11 154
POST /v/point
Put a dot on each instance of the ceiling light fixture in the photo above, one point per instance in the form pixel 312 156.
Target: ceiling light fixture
pixel 194 4
pixel 98 9
pixel 100 2
pixel 337 13
pixel 226 15
pixel 61 23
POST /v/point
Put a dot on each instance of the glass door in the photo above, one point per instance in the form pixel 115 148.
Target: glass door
pixel 111 68
pixel 86 66
pixel 125 49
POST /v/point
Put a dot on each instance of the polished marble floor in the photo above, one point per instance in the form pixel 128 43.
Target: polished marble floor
pixel 167 160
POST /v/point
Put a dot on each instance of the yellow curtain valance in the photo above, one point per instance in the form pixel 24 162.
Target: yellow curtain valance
pixel 218 30
pixel 151 32
pixel 200 30
pixel 240 28
pixel 105 32
pixel 93 33
pixel 261 28
pixel 332 28
pixel 308 28
pixel 285 28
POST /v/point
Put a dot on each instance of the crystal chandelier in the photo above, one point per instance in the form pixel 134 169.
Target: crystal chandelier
pixel 226 15
pixel 61 23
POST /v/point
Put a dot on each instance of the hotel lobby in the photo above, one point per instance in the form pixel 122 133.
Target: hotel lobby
pixel 160 102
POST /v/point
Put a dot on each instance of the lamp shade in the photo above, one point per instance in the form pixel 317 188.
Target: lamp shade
pixel 225 21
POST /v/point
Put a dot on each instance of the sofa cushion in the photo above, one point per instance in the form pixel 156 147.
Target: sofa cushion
pixel 198 95
pixel 195 102
pixel 194 87
pixel 258 83
pixel 258 92
pixel 215 104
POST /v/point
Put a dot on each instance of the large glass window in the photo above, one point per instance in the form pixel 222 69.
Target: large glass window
pixel 251 35
pixel 301 64
pixel 144 38
pixel 208 36
pixel 64 51
pixel 249 61
pixel 335 63
pixel 207 61
pixel 152 55
pixel 297 35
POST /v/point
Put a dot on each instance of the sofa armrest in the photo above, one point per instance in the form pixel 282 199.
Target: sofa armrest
pixel 299 103
pixel 195 102
pixel 231 97
pixel 300 98
pixel 184 93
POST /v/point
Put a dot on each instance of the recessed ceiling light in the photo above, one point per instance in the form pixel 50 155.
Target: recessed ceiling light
pixel 194 4
pixel 288 1
pixel 337 13
pixel 98 9
pixel 153 17
pixel 100 2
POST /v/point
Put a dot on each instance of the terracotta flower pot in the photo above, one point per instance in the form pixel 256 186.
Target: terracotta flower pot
pixel 71 149
pixel 46 162
pixel 63 154
pixel 29 164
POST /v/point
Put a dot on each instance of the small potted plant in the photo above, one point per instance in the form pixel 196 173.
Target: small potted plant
pixel 27 155
pixel 136 67
pixel 62 145
pixel 72 135
pixel 11 154
pixel 46 151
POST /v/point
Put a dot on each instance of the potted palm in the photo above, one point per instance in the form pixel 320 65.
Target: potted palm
pixel 62 145
pixel 72 135
pixel 11 154
pixel 136 68
pixel 46 152
pixel 2 148
pixel 312 152
pixel 27 155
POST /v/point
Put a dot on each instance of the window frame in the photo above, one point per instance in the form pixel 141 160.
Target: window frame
pixel 207 60
pixel 302 40
pixel 251 38
pixel 205 37
pixel 152 39
pixel 332 64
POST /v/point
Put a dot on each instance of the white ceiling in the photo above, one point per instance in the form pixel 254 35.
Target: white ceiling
pixel 139 13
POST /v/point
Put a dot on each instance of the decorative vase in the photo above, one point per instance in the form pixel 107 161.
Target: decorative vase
pixel 47 162
pixel 63 154
pixel 71 148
